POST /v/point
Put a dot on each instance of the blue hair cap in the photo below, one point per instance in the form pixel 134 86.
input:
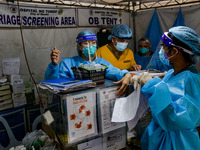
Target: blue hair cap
pixel 187 36
pixel 85 35
pixel 121 31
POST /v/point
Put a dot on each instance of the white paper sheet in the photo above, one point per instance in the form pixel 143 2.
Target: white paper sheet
pixel 11 66
pixel 143 106
pixel 95 144
pixel 125 108
pixel 107 97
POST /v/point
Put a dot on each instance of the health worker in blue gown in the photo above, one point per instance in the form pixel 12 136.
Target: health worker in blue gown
pixel 144 55
pixel 175 100
pixel 86 47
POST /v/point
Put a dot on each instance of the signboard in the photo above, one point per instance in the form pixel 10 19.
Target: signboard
pixel 99 17
pixel 81 114
pixel 35 16
pixel 107 97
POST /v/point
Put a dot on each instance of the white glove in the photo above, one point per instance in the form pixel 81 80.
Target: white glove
pixel 144 77
pixel 141 79
pixel 134 81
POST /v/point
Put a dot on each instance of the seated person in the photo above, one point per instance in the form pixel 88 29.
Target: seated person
pixel 144 55
pixel 86 46
pixel 117 52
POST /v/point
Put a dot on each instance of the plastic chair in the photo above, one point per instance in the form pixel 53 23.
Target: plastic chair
pixel 13 141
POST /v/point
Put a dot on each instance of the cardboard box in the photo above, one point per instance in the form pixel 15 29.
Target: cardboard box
pixel 5 87
pixel 18 95
pixel 4 97
pixel 16 81
pixel 17 88
pixel 19 102
pixel 5 92
pixel 5 104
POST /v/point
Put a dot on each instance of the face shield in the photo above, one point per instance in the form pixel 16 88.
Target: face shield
pixel 90 49
pixel 169 42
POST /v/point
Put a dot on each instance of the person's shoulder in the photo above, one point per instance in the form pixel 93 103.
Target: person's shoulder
pixel 103 47
pixel 129 50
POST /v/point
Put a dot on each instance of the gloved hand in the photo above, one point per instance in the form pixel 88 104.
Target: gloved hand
pixel 134 81
pixel 141 79
pixel 144 77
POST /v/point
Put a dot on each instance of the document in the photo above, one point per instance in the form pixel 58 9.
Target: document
pixel 66 85
pixel 95 144
pixel 81 116
pixel 126 108
pixel 115 140
pixel 11 66
pixel 107 97
pixel 143 107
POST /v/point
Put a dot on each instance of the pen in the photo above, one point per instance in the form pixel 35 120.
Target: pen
pixel 60 55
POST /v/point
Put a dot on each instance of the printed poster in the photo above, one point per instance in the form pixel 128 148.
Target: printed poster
pixel 107 97
pixel 81 114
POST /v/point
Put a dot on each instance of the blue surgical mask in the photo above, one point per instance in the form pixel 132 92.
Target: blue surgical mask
pixel 143 50
pixel 121 46
pixel 92 50
pixel 163 57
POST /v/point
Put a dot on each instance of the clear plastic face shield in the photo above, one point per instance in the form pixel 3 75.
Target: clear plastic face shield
pixel 90 49
pixel 168 42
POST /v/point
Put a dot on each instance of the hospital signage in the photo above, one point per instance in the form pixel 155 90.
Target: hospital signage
pixel 102 17
pixel 32 16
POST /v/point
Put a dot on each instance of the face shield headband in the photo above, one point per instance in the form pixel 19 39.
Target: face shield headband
pixel 86 38
pixel 168 41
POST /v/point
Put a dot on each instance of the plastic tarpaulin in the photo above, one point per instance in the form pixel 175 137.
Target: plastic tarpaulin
pixel 154 31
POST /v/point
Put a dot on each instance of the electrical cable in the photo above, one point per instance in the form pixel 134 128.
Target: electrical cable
pixel 24 50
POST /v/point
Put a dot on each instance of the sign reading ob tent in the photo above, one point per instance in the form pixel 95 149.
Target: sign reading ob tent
pixel 102 17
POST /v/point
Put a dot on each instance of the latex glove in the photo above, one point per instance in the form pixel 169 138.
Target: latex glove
pixel 134 81
pixel 144 77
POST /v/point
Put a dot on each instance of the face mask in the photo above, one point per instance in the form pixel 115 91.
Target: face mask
pixel 143 51
pixel 163 57
pixel 92 50
pixel 121 46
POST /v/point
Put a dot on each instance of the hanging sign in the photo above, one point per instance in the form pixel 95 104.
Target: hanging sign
pixel 95 17
pixel 35 16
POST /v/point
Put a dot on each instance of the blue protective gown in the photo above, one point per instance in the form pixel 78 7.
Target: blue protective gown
pixel 175 107
pixel 143 61
pixel 155 63
pixel 65 71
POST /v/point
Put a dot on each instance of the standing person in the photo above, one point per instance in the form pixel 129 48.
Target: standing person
pixel 175 100
pixel 117 52
pixel 86 47
pixel 144 55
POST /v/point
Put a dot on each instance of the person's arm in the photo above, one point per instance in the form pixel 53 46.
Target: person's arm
pixel 52 72
pixel 134 65
pixel 177 109
pixel 121 76
pixel 125 82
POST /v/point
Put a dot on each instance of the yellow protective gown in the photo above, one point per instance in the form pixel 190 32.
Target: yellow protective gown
pixel 123 61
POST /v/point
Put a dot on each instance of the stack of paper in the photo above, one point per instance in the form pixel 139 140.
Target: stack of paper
pixel 62 85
